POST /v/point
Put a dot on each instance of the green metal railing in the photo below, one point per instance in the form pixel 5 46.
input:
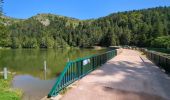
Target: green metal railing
pixel 158 58
pixel 75 70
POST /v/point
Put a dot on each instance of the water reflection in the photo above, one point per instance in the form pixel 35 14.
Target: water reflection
pixel 31 61
pixel 31 75
pixel 45 74
pixel 33 88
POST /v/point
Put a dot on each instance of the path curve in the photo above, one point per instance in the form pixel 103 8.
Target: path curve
pixel 128 76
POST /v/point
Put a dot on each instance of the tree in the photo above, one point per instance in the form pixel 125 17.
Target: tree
pixel 109 39
pixel 161 42
pixel 4 36
pixel 142 40
pixel 158 29
pixel 49 42
pixel 15 42
pixel 125 37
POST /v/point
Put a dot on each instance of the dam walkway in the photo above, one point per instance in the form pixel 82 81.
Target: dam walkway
pixel 128 76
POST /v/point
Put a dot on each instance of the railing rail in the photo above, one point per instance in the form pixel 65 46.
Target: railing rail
pixel 75 70
pixel 159 59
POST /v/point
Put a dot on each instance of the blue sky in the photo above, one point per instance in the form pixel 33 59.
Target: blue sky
pixel 81 9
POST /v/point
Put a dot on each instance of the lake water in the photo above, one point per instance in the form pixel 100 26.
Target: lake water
pixel 28 64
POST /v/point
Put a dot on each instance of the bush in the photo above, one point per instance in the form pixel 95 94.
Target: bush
pixel 161 42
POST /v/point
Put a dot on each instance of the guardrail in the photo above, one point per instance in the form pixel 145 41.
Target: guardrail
pixel 159 59
pixel 75 70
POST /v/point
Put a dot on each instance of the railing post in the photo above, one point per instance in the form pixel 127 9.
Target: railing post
pixel 159 60
pixel 81 68
pixel 151 56
pixel 168 64
pixel 78 69
pixel 5 73
pixel 45 65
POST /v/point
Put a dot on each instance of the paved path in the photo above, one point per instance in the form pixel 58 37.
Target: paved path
pixel 128 76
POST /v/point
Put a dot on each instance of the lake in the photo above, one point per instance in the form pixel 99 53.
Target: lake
pixel 28 66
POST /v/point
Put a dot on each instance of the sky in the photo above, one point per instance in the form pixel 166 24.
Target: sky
pixel 81 9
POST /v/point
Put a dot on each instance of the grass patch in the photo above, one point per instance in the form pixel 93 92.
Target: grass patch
pixel 8 93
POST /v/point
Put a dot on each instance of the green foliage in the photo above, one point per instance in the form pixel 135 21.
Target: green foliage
pixel 15 42
pixel 27 43
pixel 6 92
pixel 50 42
pixel 138 28
pixel 109 39
pixel 125 37
pixel 4 36
pixel 161 42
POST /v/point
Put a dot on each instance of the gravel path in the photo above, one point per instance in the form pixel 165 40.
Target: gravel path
pixel 128 76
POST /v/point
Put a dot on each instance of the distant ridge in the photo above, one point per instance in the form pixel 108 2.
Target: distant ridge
pixel 137 27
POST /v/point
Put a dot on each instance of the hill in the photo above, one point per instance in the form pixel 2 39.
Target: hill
pixel 138 27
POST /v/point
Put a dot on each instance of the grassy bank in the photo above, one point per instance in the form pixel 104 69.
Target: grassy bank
pixel 8 93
